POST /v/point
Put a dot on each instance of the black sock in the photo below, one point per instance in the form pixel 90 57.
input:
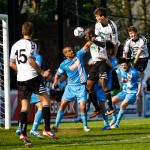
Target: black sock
pixel 24 120
pixel 108 98
pixel 46 117
pixel 93 98
pixel 115 81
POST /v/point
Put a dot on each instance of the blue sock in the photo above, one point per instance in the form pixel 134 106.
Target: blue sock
pixel 60 114
pixel 120 115
pixel 84 118
pixel 37 119
pixel 19 127
pixel 105 118
pixel 114 115
pixel 87 107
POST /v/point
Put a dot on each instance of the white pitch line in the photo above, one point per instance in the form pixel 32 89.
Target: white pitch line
pixel 90 143
pixel 136 124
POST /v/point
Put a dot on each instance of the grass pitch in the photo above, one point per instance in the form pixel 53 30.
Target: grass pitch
pixel 133 134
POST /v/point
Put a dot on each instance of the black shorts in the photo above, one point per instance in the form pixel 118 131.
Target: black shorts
pixel 141 64
pixel 26 88
pixel 99 70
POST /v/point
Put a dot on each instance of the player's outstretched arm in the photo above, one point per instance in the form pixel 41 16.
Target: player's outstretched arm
pixel 87 45
pixel 55 80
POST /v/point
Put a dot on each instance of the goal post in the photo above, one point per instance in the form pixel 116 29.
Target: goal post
pixel 6 72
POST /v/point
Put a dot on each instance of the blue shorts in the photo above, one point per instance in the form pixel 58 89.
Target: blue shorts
pixel 75 91
pixel 34 99
pixel 129 97
pixel 100 93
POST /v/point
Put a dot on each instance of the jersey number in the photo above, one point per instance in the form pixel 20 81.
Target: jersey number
pixel 21 58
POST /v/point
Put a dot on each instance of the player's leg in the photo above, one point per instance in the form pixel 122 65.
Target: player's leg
pixel 67 97
pixel 88 102
pixel 105 117
pixel 92 94
pixel 93 98
pixel 129 99
pixel 46 114
pixel 23 121
pixel 92 79
pixel 25 94
pixel 37 120
pixel 103 71
pixel 81 96
pixel 60 112
pixel 84 116
pixel 123 105
pixel 107 92
pixel 114 116
pixel 116 99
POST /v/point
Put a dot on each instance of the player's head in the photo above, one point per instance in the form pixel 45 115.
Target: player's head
pixel 27 29
pixel 132 31
pixel 100 14
pixel 68 52
pixel 110 48
pixel 125 63
pixel 89 33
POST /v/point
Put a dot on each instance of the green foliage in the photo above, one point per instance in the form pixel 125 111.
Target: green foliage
pixel 133 134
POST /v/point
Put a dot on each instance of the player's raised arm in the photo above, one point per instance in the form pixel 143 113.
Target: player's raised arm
pixel 87 45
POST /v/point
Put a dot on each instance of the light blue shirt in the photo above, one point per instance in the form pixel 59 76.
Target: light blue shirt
pixel 130 79
pixel 74 69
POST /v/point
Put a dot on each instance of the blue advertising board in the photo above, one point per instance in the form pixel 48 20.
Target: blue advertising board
pixel 146 104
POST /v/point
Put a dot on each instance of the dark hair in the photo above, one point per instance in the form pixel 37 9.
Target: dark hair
pixel 100 11
pixel 89 31
pixel 132 28
pixel 109 45
pixel 124 60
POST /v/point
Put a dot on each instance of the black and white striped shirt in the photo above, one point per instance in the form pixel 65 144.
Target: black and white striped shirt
pixel 134 46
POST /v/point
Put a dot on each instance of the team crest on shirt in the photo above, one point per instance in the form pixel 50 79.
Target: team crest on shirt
pixel 129 76
pixel 75 64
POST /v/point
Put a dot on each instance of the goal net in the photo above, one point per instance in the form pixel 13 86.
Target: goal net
pixel 5 115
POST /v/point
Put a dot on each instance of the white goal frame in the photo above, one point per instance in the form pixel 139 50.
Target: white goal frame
pixel 5 45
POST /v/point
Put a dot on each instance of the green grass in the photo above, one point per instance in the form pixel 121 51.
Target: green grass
pixel 133 134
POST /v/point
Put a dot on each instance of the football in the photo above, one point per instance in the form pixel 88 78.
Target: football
pixel 79 32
